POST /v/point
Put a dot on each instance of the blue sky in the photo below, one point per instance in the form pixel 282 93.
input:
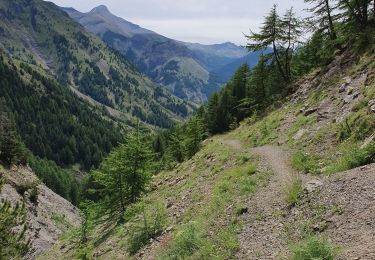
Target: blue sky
pixel 203 21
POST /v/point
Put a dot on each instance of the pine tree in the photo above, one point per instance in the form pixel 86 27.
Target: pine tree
pixel 213 117
pixel 291 32
pixel 270 35
pixel 176 149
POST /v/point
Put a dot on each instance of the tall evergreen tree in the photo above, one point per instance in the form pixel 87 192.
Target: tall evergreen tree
pixel 355 12
pixel 124 174
pixel 323 16
pixel 195 133
pixel 280 33
pixel 269 36
pixel 12 150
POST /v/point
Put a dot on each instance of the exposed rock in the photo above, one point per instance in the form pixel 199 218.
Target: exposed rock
pixel 313 185
pixel 299 134
pixel 371 106
pixel 350 91
pixel 356 94
pixel 342 88
pixel 43 228
pixel 310 111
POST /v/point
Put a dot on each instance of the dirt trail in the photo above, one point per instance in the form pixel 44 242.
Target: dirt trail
pixel 340 207
pixel 261 237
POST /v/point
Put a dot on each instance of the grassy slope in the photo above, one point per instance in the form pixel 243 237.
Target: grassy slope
pixel 203 197
pixel 28 32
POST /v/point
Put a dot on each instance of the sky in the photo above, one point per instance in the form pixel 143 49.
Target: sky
pixel 202 21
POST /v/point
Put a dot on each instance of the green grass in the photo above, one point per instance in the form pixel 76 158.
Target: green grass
pixel 150 221
pixel 213 232
pixel 352 157
pixel 293 192
pixel 304 162
pixel 60 221
pixel 265 131
pixel 314 248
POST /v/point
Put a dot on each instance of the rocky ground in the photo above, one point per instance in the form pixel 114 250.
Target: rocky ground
pixel 340 207
pixel 47 218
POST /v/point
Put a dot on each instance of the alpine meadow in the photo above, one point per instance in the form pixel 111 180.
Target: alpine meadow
pixel 187 136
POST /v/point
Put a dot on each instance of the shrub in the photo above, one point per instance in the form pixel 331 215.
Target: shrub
pixel 314 248
pixel 31 188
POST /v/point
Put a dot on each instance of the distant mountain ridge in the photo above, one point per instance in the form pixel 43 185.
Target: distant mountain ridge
pixel 40 33
pixel 187 69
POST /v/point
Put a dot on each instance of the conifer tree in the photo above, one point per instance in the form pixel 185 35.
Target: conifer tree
pixel 124 174
pixel 281 34
pixel 195 133
pixel 355 12
pixel 323 16
pixel 12 150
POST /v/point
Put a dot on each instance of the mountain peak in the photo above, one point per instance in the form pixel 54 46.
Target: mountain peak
pixel 101 9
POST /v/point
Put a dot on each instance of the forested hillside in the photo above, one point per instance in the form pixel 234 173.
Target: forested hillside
pixel 279 164
pixel 277 133
pixel 185 68
pixel 39 33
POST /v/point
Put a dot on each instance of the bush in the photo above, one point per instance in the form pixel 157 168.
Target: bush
pixel 314 248
pixel 150 225
pixel 293 192
pixel 31 188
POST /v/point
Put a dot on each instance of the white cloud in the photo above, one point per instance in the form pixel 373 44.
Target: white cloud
pixel 204 21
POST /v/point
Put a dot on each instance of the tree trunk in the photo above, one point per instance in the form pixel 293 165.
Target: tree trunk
pixel 330 21
pixel 276 55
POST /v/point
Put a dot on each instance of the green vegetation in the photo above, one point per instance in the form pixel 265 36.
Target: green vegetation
pixel 152 223
pixel 188 242
pixel 314 248
pixel 204 237
pixel 180 142
pixel 123 176
pixel 353 156
pixel 53 122
pixel 60 180
pixel 62 130
pixel 293 191
pixel 12 229
pixel 12 150
pixel 305 163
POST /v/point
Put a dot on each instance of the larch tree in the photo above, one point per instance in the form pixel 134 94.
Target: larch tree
pixel 124 174
pixel 323 15
pixel 281 34
pixel 356 12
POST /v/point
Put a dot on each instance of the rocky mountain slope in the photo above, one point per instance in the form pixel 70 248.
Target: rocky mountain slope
pixel 185 68
pixel 299 176
pixel 48 215
pixel 41 34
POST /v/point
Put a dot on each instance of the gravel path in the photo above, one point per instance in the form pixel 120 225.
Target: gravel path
pixel 261 238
